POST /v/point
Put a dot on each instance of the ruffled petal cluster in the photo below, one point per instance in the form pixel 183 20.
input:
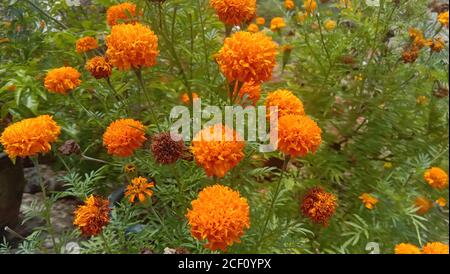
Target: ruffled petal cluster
pixel 436 178
pixel 219 215
pixel 99 67
pixel 286 101
pixel 91 217
pixel 121 14
pixel 319 205
pixel 234 12
pixel 62 80
pixel 30 137
pixel 123 137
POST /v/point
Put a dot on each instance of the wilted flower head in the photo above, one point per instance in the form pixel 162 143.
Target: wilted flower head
pixel 298 135
pixel 410 55
pixel 217 155
pixel 219 215
pixel 139 189
pixel 69 147
pixel 247 57
pixel 91 217
pixel 436 178
pixel 437 45
pixel 405 248
pixel 132 46
pixel 319 205
pixel 62 80
pixel 121 14
pixel 86 44
pixel 435 248
pixel 99 67
pixel 286 102
pixel 30 137
pixel 123 137
pixel 234 12
pixel 165 150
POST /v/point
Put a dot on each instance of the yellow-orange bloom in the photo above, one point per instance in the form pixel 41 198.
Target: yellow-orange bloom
pixel 234 12
pixel 368 200
pixel 185 97
pixel 441 201
pixel 319 205
pixel 132 46
pixel 217 149
pixel 298 135
pixel 330 24
pixel 121 14
pixel 253 28
pixel 443 18
pixel 436 178
pixel 310 5
pixel 437 45
pixel 86 44
pixel 247 57
pixel 405 248
pixel 139 189
pixel 129 168
pixel 277 23
pixel 286 102
pixel 99 67
pixel 30 137
pixel 91 217
pixel 123 137
pixel 289 4
pixel 62 80
pixel 219 215
pixel 260 21
pixel 435 248
pixel 250 92
pixel 418 39
pixel 423 205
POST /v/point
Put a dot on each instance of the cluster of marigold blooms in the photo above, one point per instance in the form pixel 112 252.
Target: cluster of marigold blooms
pixel 418 41
pixel 219 215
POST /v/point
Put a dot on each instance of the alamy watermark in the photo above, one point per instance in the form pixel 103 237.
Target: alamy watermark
pixel 252 124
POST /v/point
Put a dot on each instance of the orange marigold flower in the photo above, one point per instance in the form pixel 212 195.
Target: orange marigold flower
pixel 30 137
pixel 121 14
pixel 219 215
pixel 436 178
pixel 298 135
pixel 253 28
pixel 250 92
pixel 330 24
pixel 277 23
pixel 139 189
pixel 423 205
pixel 286 102
pixel 132 46
pixel 234 12
pixel 247 57
pixel 443 18
pixel 217 149
pixel 289 4
pixel 185 97
pixel 11 88
pixel 62 80
pixel 368 200
pixel 123 137
pixel 260 21
pixel 99 67
pixel 404 248
pixel 418 38
pixel 91 217
pixel 86 44
pixel 319 205
pixel 437 45
pixel 435 248
pixel 441 202
pixel 310 5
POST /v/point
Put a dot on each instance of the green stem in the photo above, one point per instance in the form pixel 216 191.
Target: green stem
pixel 275 197
pixel 47 203
pixel 142 85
